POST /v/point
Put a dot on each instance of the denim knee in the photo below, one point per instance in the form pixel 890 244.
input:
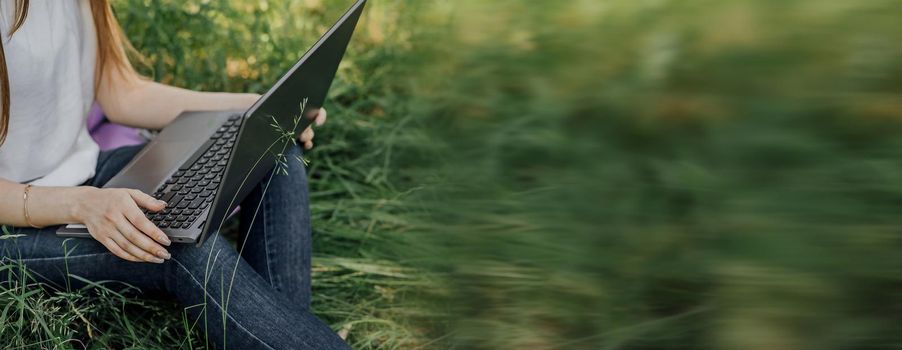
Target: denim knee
pixel 197 259
pixel 294 172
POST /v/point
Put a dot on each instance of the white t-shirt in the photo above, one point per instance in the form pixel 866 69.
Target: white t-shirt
pixel 51 61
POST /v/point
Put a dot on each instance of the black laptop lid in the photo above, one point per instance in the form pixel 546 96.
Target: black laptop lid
pixel 262 138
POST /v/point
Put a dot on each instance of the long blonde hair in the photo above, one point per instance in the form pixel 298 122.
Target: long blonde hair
pixel 112 46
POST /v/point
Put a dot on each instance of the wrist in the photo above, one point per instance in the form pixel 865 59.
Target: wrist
pixel 245 100
pixel 74 200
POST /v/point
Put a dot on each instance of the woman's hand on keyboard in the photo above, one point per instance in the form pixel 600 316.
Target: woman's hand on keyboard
pixel 114 218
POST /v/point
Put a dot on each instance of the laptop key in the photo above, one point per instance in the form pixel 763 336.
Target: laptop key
pixel 175 200
pixel 195 204
pixel 168 196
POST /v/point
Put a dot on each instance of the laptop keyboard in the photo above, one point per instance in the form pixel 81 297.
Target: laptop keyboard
pixel 191 189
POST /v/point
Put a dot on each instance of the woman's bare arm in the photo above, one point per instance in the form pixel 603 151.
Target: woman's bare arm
pixel 130 100
pixel 46 205
pixel 113 216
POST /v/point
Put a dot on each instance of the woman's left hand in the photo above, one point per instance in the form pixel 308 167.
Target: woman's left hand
pixel 306 137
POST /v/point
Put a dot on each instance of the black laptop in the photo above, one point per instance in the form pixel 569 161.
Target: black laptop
pixel 204 163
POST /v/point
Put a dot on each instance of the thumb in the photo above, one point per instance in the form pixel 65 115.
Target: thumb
pixel 146 201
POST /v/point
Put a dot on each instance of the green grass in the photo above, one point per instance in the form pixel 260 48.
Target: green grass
pixel 574 174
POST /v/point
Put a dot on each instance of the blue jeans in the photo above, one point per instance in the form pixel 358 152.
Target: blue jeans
pixel 269 305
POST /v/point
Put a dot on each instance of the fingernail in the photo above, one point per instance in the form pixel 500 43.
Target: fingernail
pixel 164 254
pixel 165 240
pixel 158 260
pixel 161 202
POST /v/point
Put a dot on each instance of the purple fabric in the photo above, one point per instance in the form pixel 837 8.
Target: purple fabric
pixel 95 117
pixel 109 135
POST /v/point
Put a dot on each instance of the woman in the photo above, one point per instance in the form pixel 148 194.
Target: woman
pixel 57 58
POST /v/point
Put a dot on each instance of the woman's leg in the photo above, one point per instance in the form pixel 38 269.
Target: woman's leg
pixel 275 226
pixel 234 305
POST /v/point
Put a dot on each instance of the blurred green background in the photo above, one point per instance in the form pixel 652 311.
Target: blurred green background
pixel 587 174
pixel 582 174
